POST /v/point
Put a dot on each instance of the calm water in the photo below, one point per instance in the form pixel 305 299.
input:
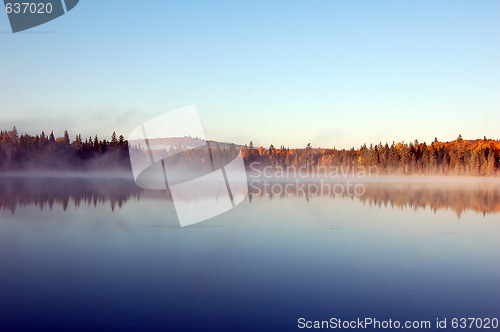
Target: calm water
pixel 95 255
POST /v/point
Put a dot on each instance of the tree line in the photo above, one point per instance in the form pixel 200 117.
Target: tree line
pixel 27 152
pixel 457 157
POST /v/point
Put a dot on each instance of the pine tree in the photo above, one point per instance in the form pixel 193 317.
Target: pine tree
pixel 66 140
pixel 52 138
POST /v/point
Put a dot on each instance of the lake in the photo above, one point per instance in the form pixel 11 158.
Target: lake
pixel 101 254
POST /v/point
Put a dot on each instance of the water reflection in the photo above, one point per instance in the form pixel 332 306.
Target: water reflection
pixel 482 197
pixel 285 256
pixel 47 192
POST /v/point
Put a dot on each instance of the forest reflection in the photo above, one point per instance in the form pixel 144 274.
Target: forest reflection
pixel 482 197
pixel 46 192
pixel 461 196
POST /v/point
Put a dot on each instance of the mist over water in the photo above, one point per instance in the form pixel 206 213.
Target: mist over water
pixel 105 254
pixel 114 189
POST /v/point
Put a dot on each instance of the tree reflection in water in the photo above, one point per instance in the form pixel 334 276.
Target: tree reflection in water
pixel 482 197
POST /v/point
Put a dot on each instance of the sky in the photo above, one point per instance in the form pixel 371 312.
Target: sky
pixel 330 73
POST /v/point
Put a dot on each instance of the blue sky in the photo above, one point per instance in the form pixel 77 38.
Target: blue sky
pixel 333 73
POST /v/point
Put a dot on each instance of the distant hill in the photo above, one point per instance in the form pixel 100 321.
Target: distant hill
pixel 187 142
